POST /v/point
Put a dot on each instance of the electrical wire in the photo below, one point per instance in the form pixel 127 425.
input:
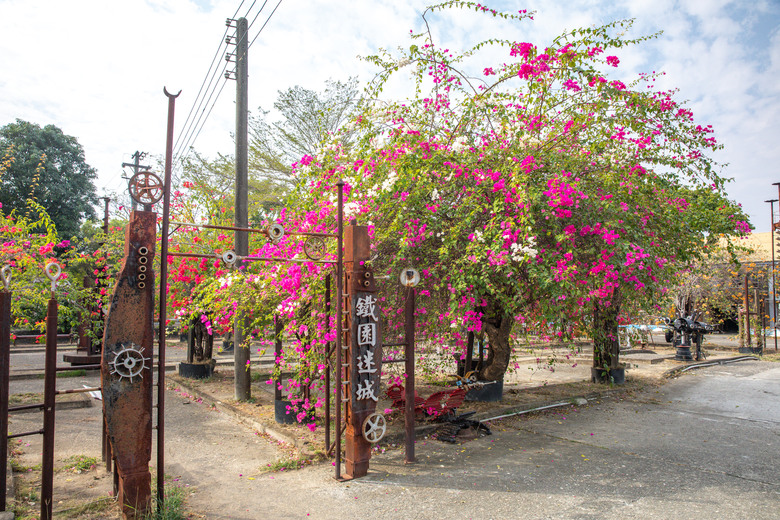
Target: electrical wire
pixel 188 131
pixel 196 125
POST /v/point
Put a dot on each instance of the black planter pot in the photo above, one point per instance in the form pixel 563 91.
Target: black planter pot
pixel 280 412
pixel 283 416
pixel 615 375
pixel 491 392
pixel 197 370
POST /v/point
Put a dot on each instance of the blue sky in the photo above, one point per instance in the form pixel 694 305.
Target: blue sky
pixel 96 68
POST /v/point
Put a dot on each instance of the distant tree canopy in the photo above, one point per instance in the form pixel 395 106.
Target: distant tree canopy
pixel 308 119
pixel 49 168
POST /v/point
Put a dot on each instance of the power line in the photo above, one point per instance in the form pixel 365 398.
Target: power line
pixel 266 22
pixel 192 132
pixel 196 105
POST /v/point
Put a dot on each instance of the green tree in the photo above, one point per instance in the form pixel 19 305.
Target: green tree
pixel 308 118
pixel 48 167
pixel 537 189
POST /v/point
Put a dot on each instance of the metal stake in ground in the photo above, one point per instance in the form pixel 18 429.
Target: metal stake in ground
pixel 5 359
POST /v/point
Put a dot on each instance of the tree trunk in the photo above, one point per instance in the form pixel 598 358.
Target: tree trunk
pixel 606 348
pixel 497 330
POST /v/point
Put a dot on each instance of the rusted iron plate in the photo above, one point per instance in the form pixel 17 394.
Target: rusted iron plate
pixel 126 367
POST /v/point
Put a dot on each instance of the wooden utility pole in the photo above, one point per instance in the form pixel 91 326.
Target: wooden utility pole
pixel 242 375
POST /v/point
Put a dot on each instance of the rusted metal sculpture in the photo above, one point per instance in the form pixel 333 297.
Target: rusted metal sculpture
pixel 126 367
pixel 364 350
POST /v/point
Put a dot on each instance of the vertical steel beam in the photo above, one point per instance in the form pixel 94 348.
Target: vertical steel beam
pixel 164 298
pixel 746 304
pixel 5 360
pixel 339 321
pixel 411 295
pixel 277 354
pixel 773 313
pixel 327 366
pixel 49 389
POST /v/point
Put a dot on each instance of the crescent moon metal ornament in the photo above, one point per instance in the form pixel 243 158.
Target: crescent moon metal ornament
pixel 145 188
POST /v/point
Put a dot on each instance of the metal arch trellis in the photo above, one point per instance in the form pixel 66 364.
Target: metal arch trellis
pixel 314 249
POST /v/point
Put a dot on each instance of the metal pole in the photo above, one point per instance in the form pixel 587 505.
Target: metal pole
pixel 411 295
pixel 163 300
pixel 5 360
pixel 339 320
pixel 327 366
pixel 277 354
pixel 241 354
pixel 49 389
pixel 746 303
pixel 772 247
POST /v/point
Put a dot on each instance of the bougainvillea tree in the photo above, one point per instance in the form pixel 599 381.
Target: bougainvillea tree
pixel 542 188
pixel 29 241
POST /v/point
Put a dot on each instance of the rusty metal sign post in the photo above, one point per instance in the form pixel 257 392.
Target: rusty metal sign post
pixel 363 345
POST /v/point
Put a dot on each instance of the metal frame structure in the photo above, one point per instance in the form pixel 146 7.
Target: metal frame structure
pixel 49 393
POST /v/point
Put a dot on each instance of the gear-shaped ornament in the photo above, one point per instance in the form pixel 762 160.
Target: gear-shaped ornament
pixel 129 362
pixel 374 427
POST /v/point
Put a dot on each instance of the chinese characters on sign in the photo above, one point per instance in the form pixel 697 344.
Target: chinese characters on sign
pixel 367 330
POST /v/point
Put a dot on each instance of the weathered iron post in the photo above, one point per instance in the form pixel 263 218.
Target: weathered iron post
pixel 49 389
pixel 409 324
pixel 364 353
pixel 126 369
pixel 5 360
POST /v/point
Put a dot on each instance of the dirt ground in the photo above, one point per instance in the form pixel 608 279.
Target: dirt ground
pixel 81 480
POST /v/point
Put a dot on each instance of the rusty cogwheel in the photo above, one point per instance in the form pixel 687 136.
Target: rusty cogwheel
pixel 145 188
pixel 314 247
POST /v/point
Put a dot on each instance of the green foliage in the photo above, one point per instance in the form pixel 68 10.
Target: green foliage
pixel 48 167
pixel 80 463
pixel 171 506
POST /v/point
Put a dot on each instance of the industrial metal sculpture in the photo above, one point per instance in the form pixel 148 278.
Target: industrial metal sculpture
pixel 127 353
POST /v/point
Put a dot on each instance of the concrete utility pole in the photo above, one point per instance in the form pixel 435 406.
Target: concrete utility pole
pixel 242 375
pixel 136 166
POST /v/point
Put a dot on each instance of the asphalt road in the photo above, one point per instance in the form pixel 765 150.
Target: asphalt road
pixel 703 446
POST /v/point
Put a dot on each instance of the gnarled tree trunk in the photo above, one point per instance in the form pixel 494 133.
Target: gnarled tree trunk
pixel 497 326
pixel 606 348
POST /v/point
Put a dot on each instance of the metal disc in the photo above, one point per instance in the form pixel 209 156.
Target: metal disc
pixel 314 247
pixel 145 188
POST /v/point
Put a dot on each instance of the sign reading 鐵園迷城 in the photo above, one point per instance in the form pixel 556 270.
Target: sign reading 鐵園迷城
pixel 365 317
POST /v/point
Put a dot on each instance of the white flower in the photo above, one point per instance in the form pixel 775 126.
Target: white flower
pixel 351 209
pixel 435 195
pixel 459 144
